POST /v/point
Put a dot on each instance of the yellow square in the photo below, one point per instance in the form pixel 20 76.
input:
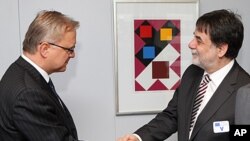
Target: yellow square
pixel 166 34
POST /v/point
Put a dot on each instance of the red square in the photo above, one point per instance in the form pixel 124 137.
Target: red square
pixel 160 69
pixel 146 31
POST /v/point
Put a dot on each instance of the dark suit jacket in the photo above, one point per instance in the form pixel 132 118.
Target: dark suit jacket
pixel 29 110
pixel 176 117
pixel 242 114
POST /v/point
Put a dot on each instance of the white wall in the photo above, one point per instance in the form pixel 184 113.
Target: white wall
pixel 87 87
pixel 9 34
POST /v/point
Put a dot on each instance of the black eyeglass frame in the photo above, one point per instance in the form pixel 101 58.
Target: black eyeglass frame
pixel 70 50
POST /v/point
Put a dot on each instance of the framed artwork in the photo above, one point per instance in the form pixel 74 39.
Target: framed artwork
pixel 151 51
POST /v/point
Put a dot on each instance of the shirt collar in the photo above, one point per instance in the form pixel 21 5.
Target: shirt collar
pixel 220 74
pixel 39 69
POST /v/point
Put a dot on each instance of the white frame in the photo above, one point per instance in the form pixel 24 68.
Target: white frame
pixel 125 11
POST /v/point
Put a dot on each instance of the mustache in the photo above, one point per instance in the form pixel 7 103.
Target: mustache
pixel 194 52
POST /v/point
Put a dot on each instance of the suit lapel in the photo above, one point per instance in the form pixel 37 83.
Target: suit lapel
pixel 65 114
pixel 38 78
pixel 190 92
pixel 218 98
pixel 70 122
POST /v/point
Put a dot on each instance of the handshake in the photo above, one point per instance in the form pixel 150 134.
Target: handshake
pixel 129 137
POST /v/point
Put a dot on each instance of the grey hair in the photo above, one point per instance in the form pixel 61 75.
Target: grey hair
pixel 47 26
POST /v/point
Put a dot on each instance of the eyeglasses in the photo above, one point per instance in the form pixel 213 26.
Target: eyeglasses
pixel 69 50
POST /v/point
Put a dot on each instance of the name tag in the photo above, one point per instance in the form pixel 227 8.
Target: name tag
pixel 221 126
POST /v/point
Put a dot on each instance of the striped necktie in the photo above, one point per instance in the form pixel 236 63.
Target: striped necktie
pixel 198 99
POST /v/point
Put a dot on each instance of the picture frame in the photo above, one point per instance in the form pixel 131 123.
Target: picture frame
pixel 151 51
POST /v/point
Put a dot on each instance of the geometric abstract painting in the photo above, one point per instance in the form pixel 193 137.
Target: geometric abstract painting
pixel 151 51
pixel 157 55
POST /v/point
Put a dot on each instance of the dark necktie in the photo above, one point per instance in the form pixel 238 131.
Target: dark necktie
pixel 54 91
pixel 199 98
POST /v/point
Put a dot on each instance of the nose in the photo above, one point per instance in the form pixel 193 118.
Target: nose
pixel 192 44
pixel 72 54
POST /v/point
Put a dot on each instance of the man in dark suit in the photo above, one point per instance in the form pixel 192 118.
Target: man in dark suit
pixel 30 109
pixel 203 111
pixel 242 114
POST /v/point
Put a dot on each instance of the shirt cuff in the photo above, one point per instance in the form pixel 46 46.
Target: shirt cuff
pixel 138 137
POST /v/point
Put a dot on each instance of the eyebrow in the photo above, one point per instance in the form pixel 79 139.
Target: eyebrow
pixel 198 37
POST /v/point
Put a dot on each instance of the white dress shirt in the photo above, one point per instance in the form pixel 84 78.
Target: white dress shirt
pixel 39 69
pixel 216 79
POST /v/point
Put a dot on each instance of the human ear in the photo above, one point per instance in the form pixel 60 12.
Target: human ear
pixel 222 49
pixel 44 49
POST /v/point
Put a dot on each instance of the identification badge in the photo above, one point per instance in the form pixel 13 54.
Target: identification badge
pixel 221 126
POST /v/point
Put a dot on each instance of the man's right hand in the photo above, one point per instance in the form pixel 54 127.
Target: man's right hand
pixel 128 137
